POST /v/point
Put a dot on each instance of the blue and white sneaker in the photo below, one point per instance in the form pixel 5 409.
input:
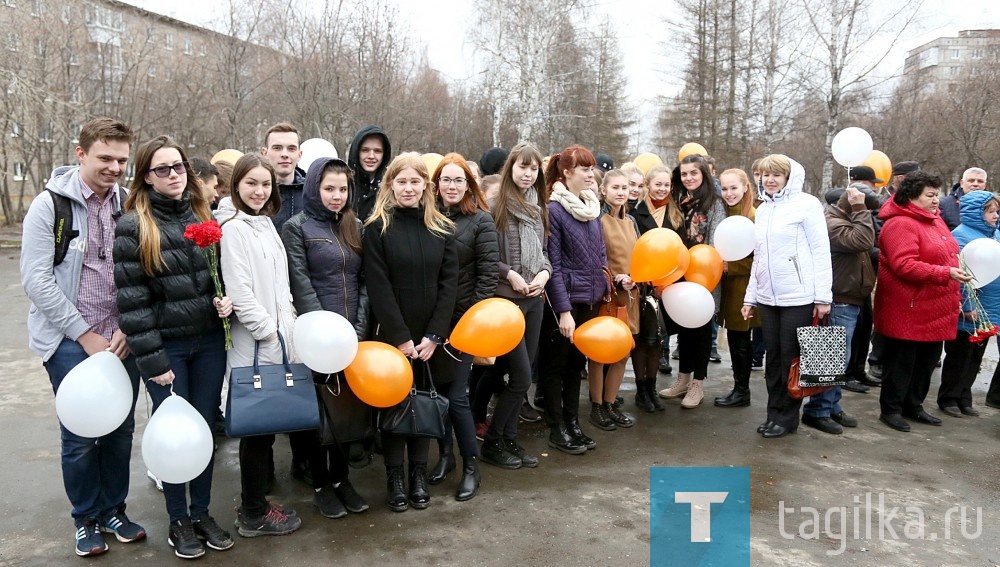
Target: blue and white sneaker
pixel 124 529
pixel 89 540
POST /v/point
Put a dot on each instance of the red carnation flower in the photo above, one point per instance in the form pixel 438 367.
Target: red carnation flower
pixel 204 234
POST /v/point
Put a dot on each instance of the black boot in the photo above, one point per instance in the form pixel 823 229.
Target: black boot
pixel 468 487
pixel 654 396
pixel 573 428
pixel 599 417
pixel 642 400
pixel 560 439
pixel 620 419
pixel 395 490
pixel 445 464
pixel 741 352
pixel 494 453
pixel 419 497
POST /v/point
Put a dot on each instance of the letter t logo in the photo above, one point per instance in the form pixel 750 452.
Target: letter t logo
pixel 701 512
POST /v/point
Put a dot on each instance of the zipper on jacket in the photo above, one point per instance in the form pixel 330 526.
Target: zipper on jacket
pixel 343 274
pixel 798 273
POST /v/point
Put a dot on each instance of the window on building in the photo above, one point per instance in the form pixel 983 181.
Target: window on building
pixel 977 53
pixel 67 13
pixel 40 47
pixel 956 53
pixel 151 71
pixel 150 35
pixel 37 8
pixel 10 3
pixel 88 14
pixel 19 170
pixel 15 130
pixel 953 71
pixel 73 59
pixel 74 94
pixel 188 46
pixel 74 133
pixel 45 135
pixel 13 41
pixel 168 41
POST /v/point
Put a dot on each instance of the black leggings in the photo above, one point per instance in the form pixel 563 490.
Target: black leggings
pixel 560 365
pixel 517 364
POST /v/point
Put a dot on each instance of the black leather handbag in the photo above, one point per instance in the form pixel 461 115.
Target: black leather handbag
pixel 343 417
pixel 271 398
pixel 421 414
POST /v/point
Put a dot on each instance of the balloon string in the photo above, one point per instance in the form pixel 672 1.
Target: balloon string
pixel 444 347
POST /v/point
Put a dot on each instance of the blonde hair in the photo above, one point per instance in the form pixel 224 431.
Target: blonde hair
pixel 674 214
pixel 775 163
pixel 746 202
pixel 385 201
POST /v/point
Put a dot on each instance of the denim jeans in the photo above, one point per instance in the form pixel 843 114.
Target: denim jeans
pixel 827 403
pixel 95 471
pixel 199 367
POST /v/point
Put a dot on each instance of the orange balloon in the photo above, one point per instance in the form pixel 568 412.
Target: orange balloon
pixel 706 266
pixel 380 374
pixel 604 339
pixel 684 260
pixel 491 327
pixel 655 255
pixel 882 166
pixel 431 160
pixel 691 148
pixel 647 161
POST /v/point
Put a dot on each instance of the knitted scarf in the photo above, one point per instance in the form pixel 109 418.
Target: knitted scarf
pixel 584 208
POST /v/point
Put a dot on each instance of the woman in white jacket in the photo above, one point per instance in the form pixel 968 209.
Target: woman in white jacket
pixel 790 281
pixel 255 271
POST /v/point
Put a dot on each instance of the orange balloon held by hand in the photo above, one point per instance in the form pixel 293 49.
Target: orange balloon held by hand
pixel 380 375
pixel 491 327
pixel 706 266
pixel 656 254
pixel 683 261
pixel 604 339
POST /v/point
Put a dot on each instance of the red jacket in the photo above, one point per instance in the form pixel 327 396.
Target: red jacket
pixel 915 298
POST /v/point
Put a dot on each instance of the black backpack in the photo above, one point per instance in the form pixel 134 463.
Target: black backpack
pixel 62 225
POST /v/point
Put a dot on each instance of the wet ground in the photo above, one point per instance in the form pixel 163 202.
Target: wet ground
pixel 571 510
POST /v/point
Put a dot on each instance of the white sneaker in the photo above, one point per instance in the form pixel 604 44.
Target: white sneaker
pixel 678 388
pixel 156 481
pixel 695 395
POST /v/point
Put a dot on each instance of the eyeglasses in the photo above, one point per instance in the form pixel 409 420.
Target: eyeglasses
pixel 164 170
pixel 457 182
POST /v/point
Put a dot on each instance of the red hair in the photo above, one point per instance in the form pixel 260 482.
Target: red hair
pixel 474 197
pixel 571 157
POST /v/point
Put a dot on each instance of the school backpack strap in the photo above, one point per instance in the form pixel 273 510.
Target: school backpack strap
pixel 62 225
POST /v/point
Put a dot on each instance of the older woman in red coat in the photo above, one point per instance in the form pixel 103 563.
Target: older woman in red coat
pixel 918 297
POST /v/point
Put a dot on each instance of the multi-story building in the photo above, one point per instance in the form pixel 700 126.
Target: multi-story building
pixel 945 61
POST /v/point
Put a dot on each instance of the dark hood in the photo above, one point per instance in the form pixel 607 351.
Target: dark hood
pixel 313 204
pixel 354 163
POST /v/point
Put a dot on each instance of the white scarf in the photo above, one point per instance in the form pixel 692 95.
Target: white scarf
pixel 584 208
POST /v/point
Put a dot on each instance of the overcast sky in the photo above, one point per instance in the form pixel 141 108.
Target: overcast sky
pixel 440 26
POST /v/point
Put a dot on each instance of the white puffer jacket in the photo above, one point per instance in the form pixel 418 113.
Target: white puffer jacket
pixel 791 263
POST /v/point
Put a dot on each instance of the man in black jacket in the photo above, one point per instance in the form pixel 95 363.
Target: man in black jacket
pixel 281 148
pixel 973 179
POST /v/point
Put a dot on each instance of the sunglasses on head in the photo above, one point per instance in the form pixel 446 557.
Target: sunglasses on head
pixel 164 170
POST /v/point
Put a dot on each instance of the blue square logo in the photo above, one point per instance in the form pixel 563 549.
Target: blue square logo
pixel 699 516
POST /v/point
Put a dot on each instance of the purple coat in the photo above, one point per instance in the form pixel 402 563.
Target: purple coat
pixel 576 250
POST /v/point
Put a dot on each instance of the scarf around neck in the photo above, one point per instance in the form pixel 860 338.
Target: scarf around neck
pixel 586 207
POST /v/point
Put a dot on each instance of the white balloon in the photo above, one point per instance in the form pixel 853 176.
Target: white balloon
pixel 325 341
pixel 95 397
pixel 982 257
pixel 734 238
pixel 177 443
pixel 689 304
pixel 852 146
pixel 316 148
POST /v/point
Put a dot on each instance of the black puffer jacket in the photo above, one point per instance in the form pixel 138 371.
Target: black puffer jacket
pixel 291 199
pixel 175 303
pixel 478 254
pixel 324 272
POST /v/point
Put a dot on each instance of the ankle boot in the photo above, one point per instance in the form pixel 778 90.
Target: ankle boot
pixel 468 487
pixel 599 417
pixel 573 428
pixel 395 491
pixel 642 400
pixel 739 397
pixel 617 417
pixel 654 398
pixel 419 497
pixel 741 352
pixel 679 388
pixel 445 464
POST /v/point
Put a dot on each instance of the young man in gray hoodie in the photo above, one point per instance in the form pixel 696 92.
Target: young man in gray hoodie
pixel 74 314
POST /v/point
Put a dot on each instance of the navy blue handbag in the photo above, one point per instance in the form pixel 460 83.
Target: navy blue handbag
pixel 271 398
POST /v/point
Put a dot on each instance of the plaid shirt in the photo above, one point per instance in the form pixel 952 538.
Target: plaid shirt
pixel 97 298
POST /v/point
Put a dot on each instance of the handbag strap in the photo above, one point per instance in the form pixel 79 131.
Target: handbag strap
pixel 430 379
pixel 284 357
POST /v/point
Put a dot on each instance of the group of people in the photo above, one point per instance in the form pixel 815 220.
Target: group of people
pixel 402 252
